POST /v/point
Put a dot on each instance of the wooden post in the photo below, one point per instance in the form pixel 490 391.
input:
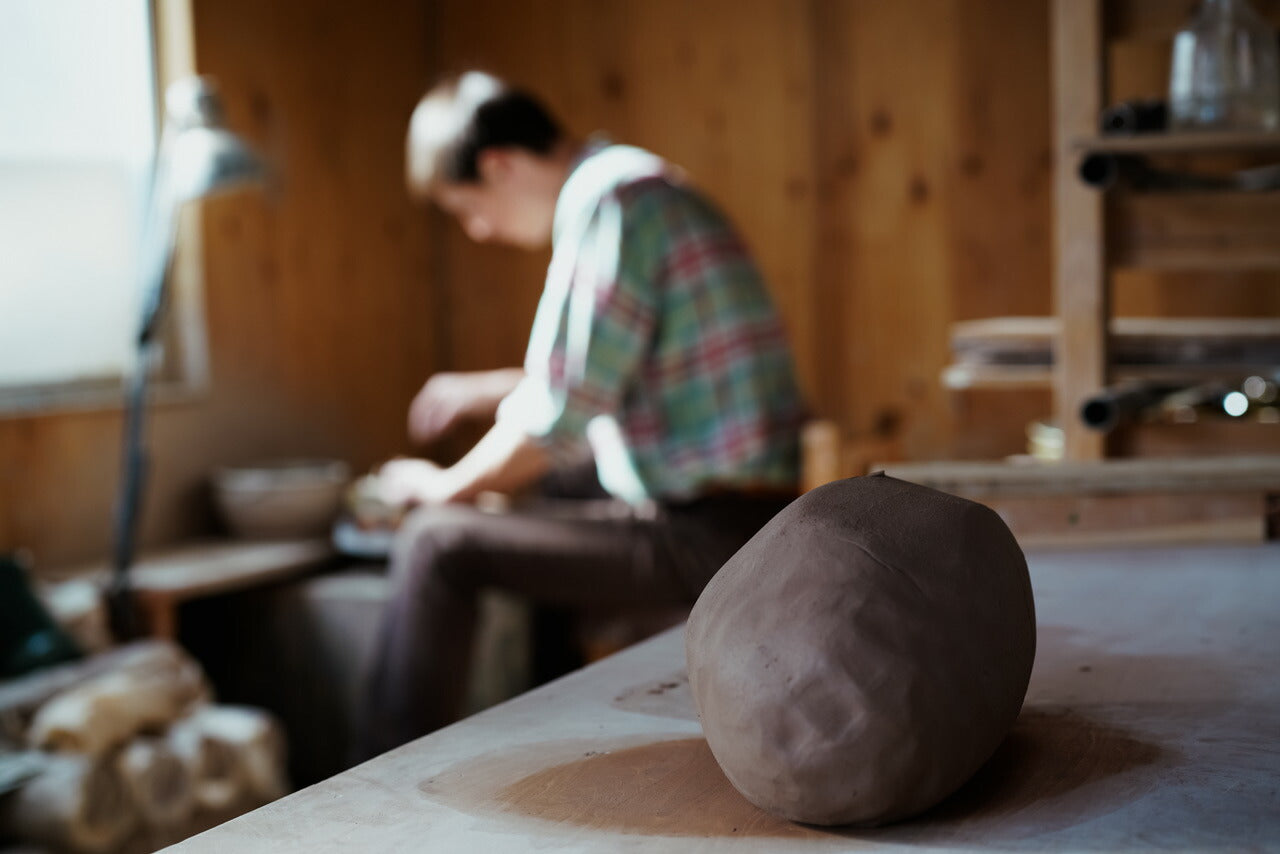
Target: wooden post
pixel 1080 286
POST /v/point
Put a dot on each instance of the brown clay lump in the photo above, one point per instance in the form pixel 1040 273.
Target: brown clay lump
pixel 864 653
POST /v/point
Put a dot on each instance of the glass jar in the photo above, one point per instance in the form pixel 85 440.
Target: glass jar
pixel 1225 73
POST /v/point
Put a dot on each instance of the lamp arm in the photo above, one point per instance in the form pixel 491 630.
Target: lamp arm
pixel 134 465
pixel 159 238
pixel 196 157
pixel 160 232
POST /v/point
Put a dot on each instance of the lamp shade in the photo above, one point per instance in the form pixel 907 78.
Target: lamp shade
pixel 200 156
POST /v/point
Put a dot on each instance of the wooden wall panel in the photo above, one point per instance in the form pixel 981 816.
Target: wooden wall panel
pixel 1000 207
pixel 318 297
pixel 932 134
pixel 889 163
pixel 894 265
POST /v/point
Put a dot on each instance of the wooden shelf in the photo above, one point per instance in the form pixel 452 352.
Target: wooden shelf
pixel 1208 142
pixel 163 581
pixel 961 376
pixel 1018 352
pixel 1040 330
pixel 979 480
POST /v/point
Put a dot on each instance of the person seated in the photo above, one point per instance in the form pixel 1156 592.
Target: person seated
pixel 657 379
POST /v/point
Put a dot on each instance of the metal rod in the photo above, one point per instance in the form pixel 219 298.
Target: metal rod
pixel 122 608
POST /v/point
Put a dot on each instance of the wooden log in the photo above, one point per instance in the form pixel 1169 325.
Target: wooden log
pixel 255 740
pixel 79 608
pixel 20 698
pixel 216 781
pixel 158 782
pixel 78 804
pixel 145 693
pixel 234 753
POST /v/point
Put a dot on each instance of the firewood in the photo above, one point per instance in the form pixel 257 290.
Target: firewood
pixel 217 779
pixel 79 608
pixel 158 781
pixel 146 692
pixel 78 804
pixel 21 697
pixel 255 740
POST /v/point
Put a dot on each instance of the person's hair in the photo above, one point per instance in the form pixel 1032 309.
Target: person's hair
pixel 462 116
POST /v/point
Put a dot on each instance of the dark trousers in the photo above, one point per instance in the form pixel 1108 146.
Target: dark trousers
pixel 558 551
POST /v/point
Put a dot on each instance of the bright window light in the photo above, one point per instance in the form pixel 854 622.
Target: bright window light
pixel 77 94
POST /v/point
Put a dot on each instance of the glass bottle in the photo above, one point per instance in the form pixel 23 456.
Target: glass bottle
pixel 1225 73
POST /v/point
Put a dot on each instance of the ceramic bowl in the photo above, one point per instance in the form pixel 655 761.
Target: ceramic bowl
pixel 280 498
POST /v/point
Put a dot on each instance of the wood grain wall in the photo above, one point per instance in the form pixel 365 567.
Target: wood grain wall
pixel 317 298
pixel 890 163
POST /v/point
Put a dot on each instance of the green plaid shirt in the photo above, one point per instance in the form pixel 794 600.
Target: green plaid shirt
pixel 655 341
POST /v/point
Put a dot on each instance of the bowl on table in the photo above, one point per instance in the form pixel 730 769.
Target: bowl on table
pixel 280 498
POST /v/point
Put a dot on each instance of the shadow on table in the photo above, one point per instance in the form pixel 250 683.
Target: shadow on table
pixel 1058 768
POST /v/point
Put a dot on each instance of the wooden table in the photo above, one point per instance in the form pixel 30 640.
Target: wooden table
pixel 1152 721
pixel 162 581
pixel 1117 502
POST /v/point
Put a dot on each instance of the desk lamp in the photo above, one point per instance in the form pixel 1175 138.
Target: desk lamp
pixel 197 157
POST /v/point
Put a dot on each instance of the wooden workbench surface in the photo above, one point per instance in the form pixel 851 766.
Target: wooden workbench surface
pixel 1152 721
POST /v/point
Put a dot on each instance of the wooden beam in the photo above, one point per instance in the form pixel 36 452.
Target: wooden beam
pixel 1105 477
pixel 1180 143
pixel 163 581
pixel 1080 284
pixel 1017 352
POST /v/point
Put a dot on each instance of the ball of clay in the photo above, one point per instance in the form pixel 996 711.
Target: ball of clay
pixel 860 657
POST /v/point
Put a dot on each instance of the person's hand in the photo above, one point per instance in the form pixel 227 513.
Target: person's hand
pixel 451 397
pixel 444 400
pixel 405 482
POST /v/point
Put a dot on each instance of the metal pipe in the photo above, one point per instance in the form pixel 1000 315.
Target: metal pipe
pixel 1107 409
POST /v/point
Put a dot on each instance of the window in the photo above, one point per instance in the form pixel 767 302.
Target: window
pixel 78 97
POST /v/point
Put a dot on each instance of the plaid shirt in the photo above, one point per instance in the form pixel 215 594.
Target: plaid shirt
pixel 656 341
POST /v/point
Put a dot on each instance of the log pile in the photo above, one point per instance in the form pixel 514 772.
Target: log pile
pixel 133 755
